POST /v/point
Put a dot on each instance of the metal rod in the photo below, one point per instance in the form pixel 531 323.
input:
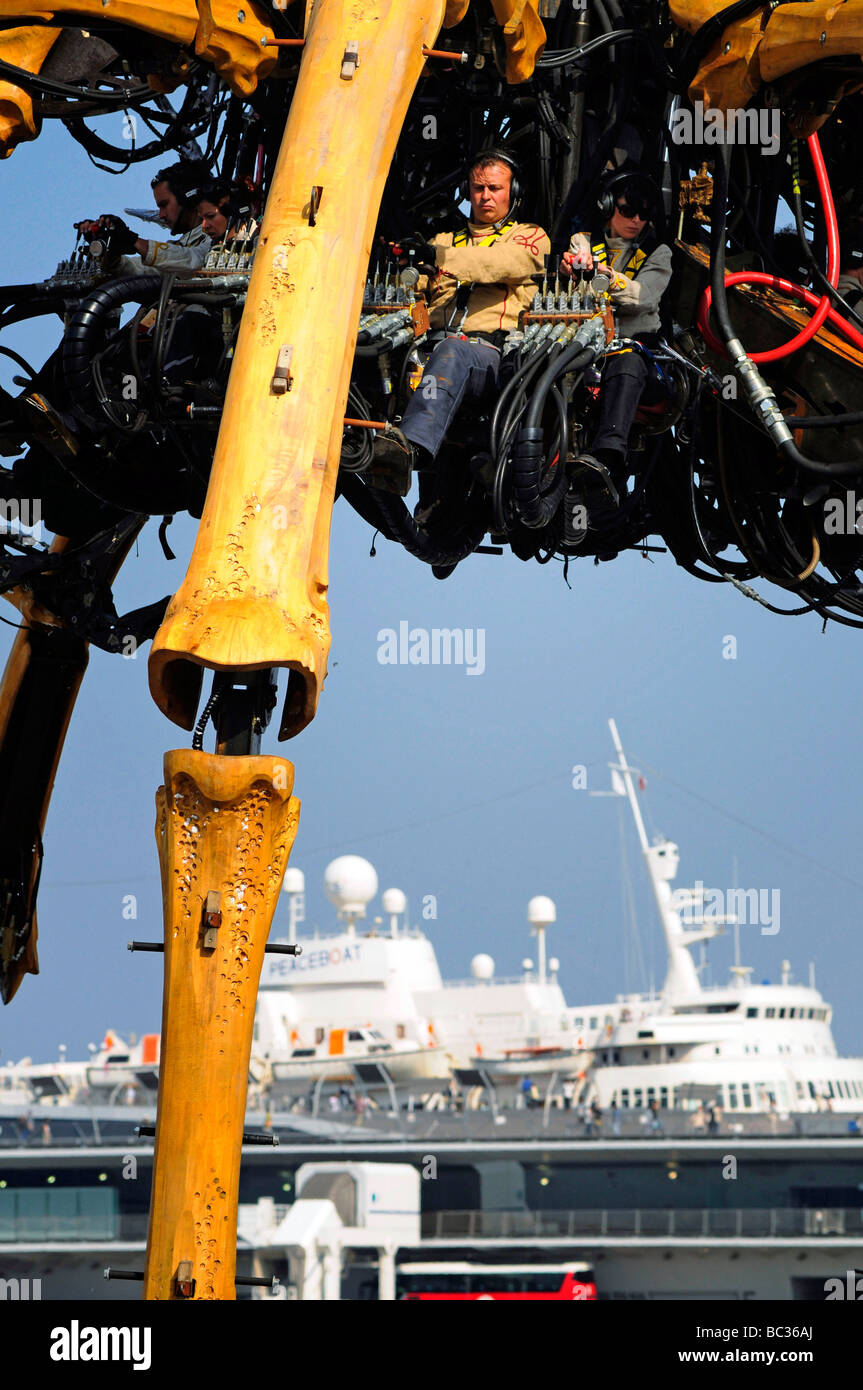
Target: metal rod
pixel 145 946
pixel 444 53
pixel 256 1281
pixel 269 1140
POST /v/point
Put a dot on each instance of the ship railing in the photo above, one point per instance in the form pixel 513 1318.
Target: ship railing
pixel 696 1223
pixel 496 980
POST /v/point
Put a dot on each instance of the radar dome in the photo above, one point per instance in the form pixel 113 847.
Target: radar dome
pixel 482 967
pixel 541 912
pixel 294 881
pixel 350 883
pixel 527 964
pixel 394 900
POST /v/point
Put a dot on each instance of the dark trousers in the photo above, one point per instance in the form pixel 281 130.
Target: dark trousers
pixel 623 380
pixel 195 348
pixel 457 371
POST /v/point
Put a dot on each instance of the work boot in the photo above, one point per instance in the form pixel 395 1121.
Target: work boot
pixel 392 466
pixel 593 499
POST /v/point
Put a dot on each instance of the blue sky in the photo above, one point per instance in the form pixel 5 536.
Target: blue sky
pixel 460 786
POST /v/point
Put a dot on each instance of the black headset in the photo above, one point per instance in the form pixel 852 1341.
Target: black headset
pixel 187 180
pixel 645 191
pixel 500 157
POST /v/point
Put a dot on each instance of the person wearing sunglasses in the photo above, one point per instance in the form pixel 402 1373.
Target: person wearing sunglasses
pixel 625 248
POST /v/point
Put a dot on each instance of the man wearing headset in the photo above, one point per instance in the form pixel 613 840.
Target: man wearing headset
pixel 479 280
pixel 176 191
pixel 624 248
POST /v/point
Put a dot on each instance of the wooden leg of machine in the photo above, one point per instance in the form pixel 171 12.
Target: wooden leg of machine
pixel 254 596
pixel 225 827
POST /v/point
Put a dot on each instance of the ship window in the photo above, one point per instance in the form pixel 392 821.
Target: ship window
pixel 830 1090
pixel 624 1098
pixel 671 1051
pixel 781 1013
pixel 651 1094
pixel 319 1035
pixel 354 1035
pixel 594 1023
pixel 732 1097
pixel 716 1050
pixel 617 1056
pixel 303 1052
pixel 769 1013
pixel 401 1031
pixel 751 1013
pixel 663 1097
pixel 747 1096
pixel 579 1023
pixel 645 1052
pixel 637 1098
pixel 792 1013
pixel 800 1091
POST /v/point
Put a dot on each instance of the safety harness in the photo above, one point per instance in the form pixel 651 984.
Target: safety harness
pixel 625 260
pixel 465 287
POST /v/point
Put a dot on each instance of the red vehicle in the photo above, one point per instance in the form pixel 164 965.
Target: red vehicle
pixel 570 1281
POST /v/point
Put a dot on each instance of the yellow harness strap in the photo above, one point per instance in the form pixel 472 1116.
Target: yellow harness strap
pixel 464 238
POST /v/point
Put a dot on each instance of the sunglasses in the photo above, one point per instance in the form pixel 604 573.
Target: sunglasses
pixel 638 210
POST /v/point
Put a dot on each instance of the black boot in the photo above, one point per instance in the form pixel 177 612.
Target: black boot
pixel 393 463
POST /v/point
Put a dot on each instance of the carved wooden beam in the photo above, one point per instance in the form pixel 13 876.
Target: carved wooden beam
pixel 225 828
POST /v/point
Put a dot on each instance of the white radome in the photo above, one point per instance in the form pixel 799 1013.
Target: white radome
pixel 541 912
pixel 482 967
pixel 394 901
pixel 294 881
pixel 350 883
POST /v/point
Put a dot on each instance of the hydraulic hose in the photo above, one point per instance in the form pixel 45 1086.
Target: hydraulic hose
pixel 797 205
pixel 761 397
pixel 533 509
pixel 78 343
pixel 388 514
pixel 747 277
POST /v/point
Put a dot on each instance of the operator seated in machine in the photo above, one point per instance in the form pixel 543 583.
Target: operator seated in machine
pixel 176 191
pixel 226 216
pixel 478 283
pixel 625 248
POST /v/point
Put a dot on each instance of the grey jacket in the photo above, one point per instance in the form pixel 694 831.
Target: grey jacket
pixel 182 257
pixel 635 303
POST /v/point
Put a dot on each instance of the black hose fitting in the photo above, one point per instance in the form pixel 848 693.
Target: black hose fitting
pixel 78 342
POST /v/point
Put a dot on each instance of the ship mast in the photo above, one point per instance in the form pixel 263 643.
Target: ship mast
pixel 661 860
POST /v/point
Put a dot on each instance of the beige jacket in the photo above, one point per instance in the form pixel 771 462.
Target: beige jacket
pixel 635 301
pixel 500 274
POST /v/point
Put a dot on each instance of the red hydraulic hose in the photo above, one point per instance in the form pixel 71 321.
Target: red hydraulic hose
pixel 755 277
pixel 758 277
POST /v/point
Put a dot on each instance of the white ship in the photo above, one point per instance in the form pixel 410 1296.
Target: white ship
pixel 374 997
